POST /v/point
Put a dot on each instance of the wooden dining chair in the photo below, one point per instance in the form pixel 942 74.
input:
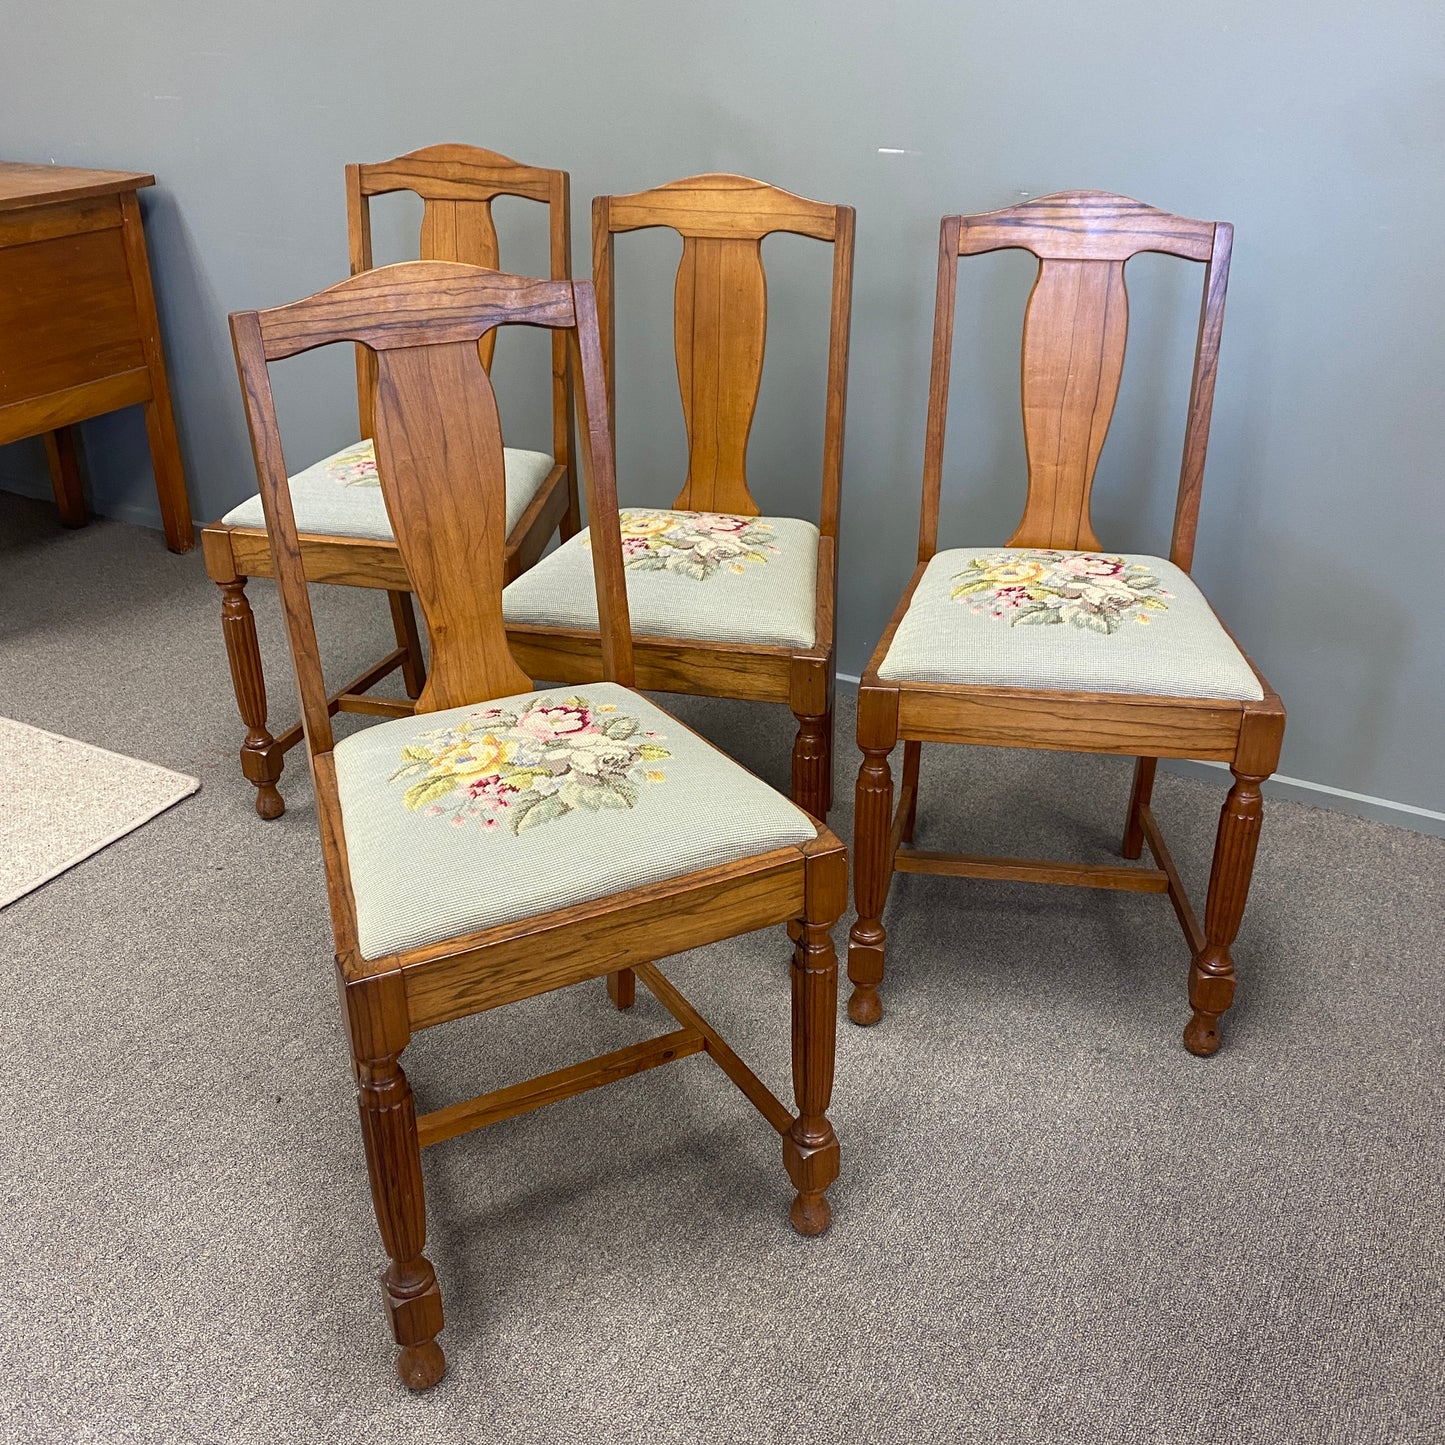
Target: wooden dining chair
pixel 346 535
pixel 1048 641
pixel 505 841
pixel 725 602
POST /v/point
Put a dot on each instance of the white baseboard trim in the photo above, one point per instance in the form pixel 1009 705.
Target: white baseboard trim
pixel 1301 790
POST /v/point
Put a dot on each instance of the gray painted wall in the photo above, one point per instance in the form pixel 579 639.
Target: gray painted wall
pixel 1317 128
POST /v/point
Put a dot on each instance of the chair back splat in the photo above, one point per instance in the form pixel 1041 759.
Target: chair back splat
pixel 439 456
pixel 1074 334
pixel 457 185
pixel 720 315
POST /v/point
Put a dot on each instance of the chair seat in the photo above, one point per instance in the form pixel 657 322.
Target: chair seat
pixel 474 816
pixel 340 496
pixel 1066 622
pixel 704 576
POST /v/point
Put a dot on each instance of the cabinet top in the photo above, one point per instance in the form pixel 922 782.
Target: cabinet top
pixel 22 184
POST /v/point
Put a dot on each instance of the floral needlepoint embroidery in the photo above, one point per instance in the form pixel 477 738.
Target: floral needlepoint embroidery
pixel 530 763
pixel 697 544
pixel 355 467
pixel 1043 587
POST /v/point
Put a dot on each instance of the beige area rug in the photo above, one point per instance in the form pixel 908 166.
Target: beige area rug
pixel 61 801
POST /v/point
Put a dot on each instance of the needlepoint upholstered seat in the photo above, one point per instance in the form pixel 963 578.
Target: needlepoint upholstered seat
pixel 509 838
pixel 708 575
pixel 726 601
pixel 340 496
pixel 1070 621
pixel 463 819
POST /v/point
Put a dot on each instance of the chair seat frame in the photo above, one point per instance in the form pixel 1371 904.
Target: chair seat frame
pixel 1075 229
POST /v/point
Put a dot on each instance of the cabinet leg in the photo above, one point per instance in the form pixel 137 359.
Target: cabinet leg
pixel 62 455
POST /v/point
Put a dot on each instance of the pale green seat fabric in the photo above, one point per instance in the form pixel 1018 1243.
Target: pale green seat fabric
pixel 340 496
pixel 481 815
pixel 1065 621
pixel 707 576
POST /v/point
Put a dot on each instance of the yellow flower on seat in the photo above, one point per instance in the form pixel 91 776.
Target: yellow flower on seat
pixel 1013 572
pixel 474 758
pixel 644 524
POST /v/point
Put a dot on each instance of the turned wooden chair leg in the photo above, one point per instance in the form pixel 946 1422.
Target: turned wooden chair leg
pixel 872 872
pixel 912 757
pixel 810 1147
pixel 403 621
pixel 393 1161
pixel 622 987
pixel 261 759
pixel 1133 844
pixel 811 761
pixel 1211 975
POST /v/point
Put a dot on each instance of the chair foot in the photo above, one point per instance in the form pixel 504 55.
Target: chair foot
pixel 811 1214
pixel 269 802
pixel 865 1008
pixel 419 1367
pixel 1201 1034
pixel 811 1155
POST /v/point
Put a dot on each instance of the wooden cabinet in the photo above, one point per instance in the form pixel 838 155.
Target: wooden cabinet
pixel 78 329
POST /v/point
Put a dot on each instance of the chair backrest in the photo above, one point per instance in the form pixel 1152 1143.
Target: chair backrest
pixel 720 311
pixel 439 454
pixel 457 185
pixel 1073 352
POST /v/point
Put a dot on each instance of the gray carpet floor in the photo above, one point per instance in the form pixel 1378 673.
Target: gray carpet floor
pixel 1052 1223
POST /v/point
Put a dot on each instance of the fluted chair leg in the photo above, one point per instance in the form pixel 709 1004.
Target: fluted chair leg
pixel 261 759
pixel 810 1147
pixel 872 872
pixel 1211 975
pixel 393 1160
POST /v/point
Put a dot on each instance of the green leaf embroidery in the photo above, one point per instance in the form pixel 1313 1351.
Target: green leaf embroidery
pixel 542 811
pixel 428 791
